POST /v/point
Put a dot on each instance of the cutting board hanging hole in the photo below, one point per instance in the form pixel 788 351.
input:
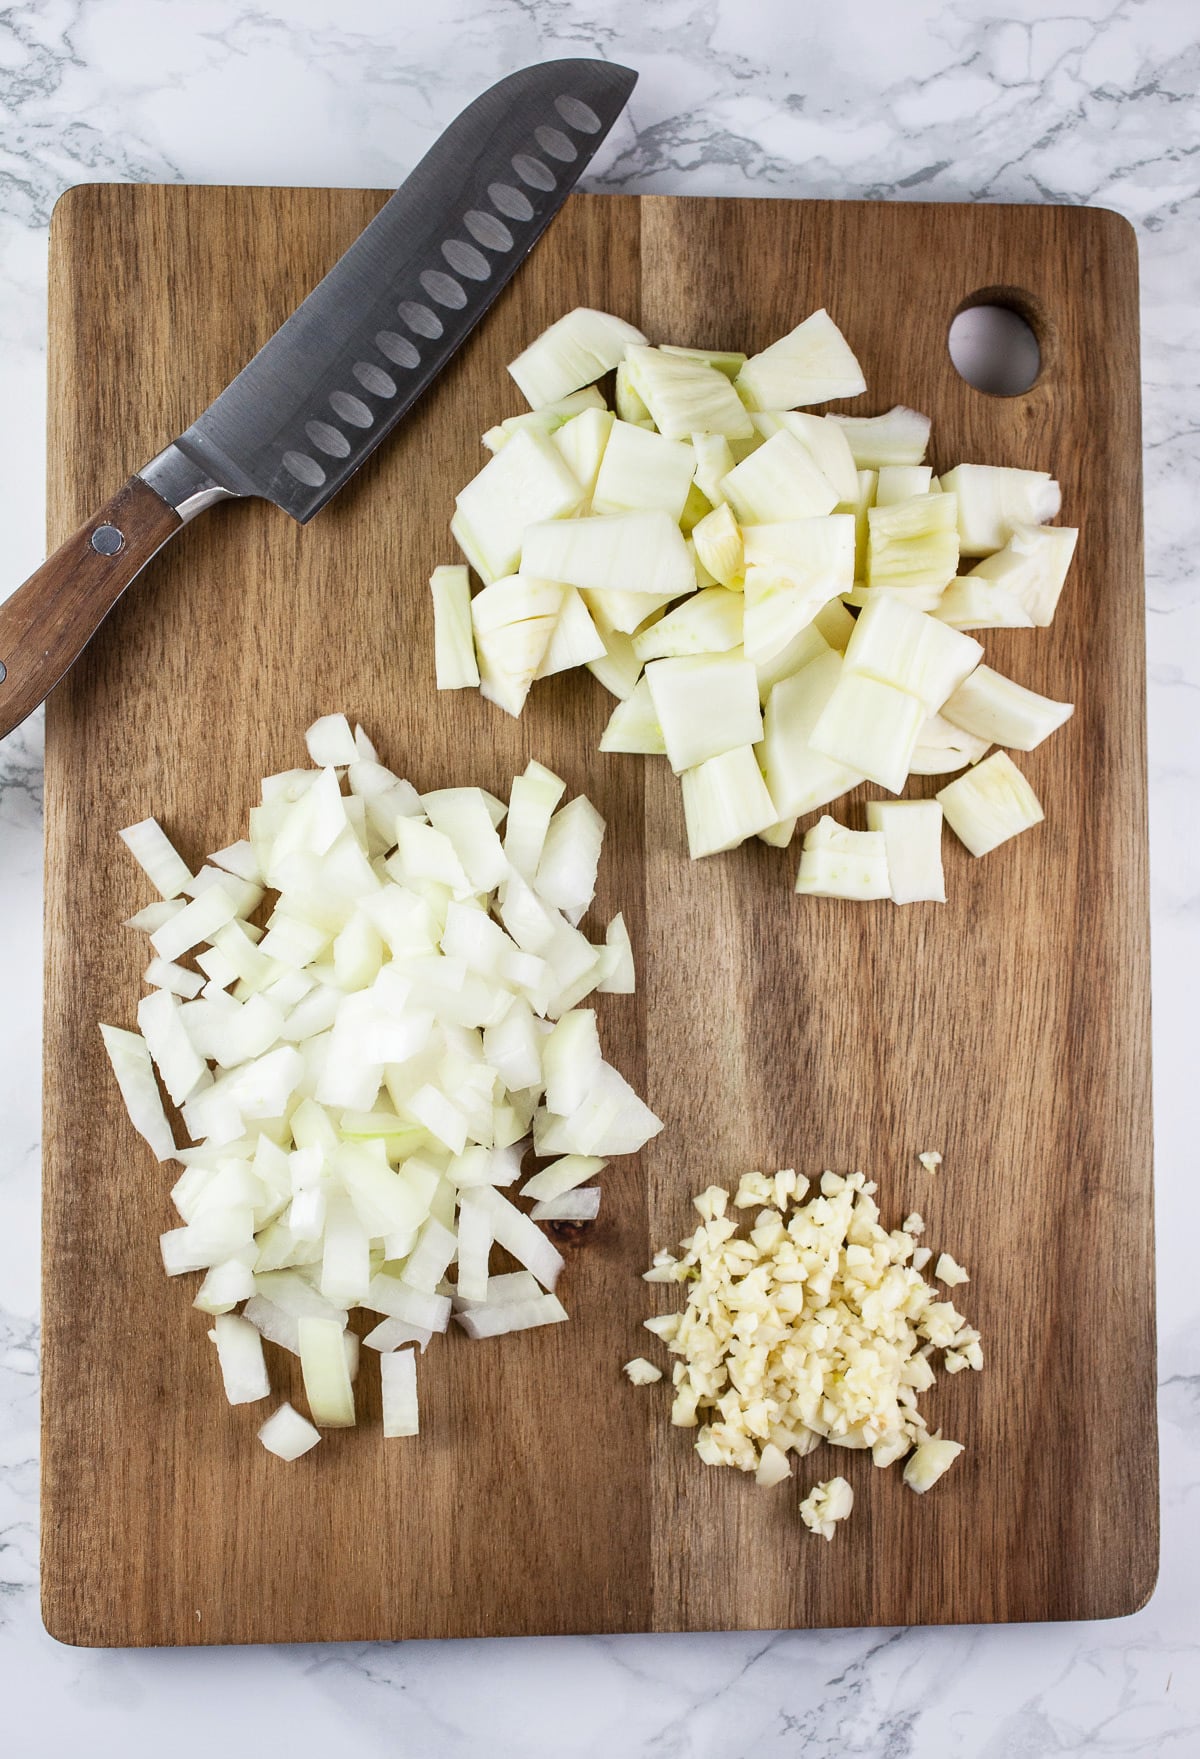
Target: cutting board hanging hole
pixel 994 347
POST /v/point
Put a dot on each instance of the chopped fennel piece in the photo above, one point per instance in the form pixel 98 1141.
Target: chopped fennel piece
pixel 871 728
pixel 793 569
pixel 581 442
pixel 811 364
pixel 900 482
pixel 642 470
pixel 800 779
pixel 927 1462
pixel 287 1434
pixel 576 351
pixel 130 1058
pixel 706 704
pixel 899 437
pixel 992 500
pixel 828 446
pixel 453 643
pixel 912 546
pixel 157 857
pixel 840 863
pixel 990 804
pixel 639 1372
pixel 825 1505
pixel 725 360
pixel 240 1353
pixel 778 835
pixel 628 404
pixel 941 749
pixel 992 707
pixel 973 602
pixel 906 648
pixel 912 837
pixel 612 552
pixel 685 395
pixel 398 1375
pixel 710 622
pixel 1032 567
pixel 633 725
pixel 799 652
pixel 574 640
pixel 778 482
pixel 572 1206
pixel 628 613
pixel 718 542
pixel 714 461
pixel 526 482
pixel 725 801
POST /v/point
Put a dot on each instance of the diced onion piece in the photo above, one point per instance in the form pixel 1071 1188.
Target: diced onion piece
pixel 612 1120
pixel 709 622
pixel 131 1064
pixel 287 1434
pixel 152 916
pixel 926 1464
pixel 840 863
pixel 798 778
pixel 811 364
pixel 492 1322
pixel 617 976
pixel 992 707
pixel 331 743
pixel 571 1061
pixel 224 1286
pixel 162 1027
pixel 575 640
pixel 562 1176
pixel 162 974
pixel 398 1374
pixel 990 804
pixel 992 500
pixel 534 796
pixel 566 872
pixel 1032 566
pixel 825 1505
pixel 157 857
pixel 503 1290
pixel 577 350
pixel 389 1334
pixel 912 836
pixel 641 470
pixel 871 728
pixel 899 437
pixel 725 801
pixel 910 650
pixel 326 1373
pixel 611 552
pixel 633 725
pixel 572 1206
pixel 240 1353
pixel 972 602
pixel 526 482
pixel 778 482
pixel 453 643
pixel 196 922
pixel 685 394
pixel 706 705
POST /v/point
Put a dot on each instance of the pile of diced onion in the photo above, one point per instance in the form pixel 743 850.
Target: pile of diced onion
pixel 702 552
pixel 813 1325
pixel 362 1079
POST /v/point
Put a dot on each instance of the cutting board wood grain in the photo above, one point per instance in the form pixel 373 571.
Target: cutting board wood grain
pixel 1009 1028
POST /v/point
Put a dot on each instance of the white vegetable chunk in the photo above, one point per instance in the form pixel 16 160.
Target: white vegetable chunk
pixel 511 1316
pixel 528 481
pixel 572 1206
pixel 912 837
pixel 871 728
pixel 618 976
pixel 992 500
pixel 535 795
pixel 643 470
pixel 1033 567
pixel 162 974
pixel 196 922
pixel 517 1234
pixel 828 446
pixel 640 1372
pixel 162 1027
pixel 398 1375
pixel 992 707
pixel 561 1176
pixel 327 1385
pixel 971 602
pixel 581 442
pixel 825 1505
pixel 899 437
pixel 990 804
pixel 571 1061
pixel 633 725
pixel 840 863
pixel 613 552
pixel 798 778
pixel 711 621
pixel 706 704
pixel 911 651
pixel 389 1334
pixel 941 748
pixel 792 570
pixel 725 801
pixel 811 364
pixel 685 394
pixel 577 350
pixel 575 640
pixel 240 1353
pixel 455 666
pixel 157 857
pixel 287 1434
pixel 778 482
pixel 718 542
pixel 566 872
pixel 330 742
pixel 131 1064
pixel 927 1463
pixel 913 548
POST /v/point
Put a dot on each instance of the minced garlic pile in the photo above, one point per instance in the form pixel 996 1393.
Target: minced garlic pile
pixel 816 1325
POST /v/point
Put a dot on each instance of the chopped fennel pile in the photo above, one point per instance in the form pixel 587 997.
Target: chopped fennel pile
pixel 812 1324
pixel 779 600
pixel 362 1079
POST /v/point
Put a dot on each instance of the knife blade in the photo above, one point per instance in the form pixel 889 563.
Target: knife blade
pixel 337 376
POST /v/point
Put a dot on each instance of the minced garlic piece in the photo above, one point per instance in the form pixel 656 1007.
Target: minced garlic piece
pixel 805 1322
pixel 825 1505
pixel 931 1160
pixel 913 1224
pixel 949 1272
pixel 641 1372
pixel 926 1463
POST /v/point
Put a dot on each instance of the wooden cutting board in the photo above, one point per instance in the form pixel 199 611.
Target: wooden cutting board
pixel 1009 1028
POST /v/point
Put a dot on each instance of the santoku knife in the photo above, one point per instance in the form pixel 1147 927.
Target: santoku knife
pixel 351 360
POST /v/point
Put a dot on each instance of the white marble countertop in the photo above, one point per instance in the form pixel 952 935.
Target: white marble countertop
pixel 937 102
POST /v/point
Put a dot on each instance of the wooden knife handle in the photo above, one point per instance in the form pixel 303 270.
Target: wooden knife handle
pixel 47 623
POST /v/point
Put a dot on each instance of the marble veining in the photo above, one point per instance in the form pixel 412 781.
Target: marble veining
pixel 1097 102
